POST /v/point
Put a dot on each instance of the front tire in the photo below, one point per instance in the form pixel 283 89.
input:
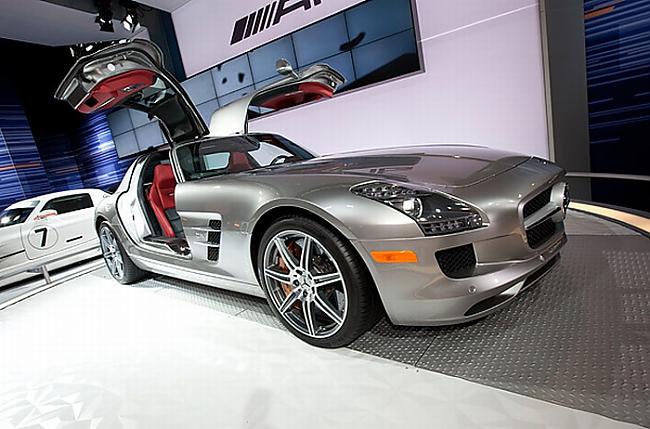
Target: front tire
pixel 315 283
pixel 117 261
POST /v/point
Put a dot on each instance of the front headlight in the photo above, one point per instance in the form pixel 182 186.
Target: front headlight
pixel 436 214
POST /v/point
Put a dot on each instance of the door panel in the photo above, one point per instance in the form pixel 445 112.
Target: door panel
pixel 132 74
pixel 56 234
pixel 115 90
pixel 68 222
pixel 316 82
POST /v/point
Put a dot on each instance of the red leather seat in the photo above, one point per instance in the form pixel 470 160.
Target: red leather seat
pixel 161 198
pixel 239 162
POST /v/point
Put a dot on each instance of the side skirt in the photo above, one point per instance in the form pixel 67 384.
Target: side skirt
pixel 199 277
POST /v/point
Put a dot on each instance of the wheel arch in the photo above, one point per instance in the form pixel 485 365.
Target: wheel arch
pixel 266 220
pixel 98 222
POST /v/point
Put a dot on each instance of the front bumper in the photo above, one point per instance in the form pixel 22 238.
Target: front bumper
pixel 419 294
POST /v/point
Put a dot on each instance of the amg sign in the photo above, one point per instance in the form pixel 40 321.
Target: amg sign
pixel 209 35
pixel 267 16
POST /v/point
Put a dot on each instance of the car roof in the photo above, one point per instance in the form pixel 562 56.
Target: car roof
pixel 216 138
pixel 31 202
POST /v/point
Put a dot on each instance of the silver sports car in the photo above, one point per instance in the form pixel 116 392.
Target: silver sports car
pixel 428 235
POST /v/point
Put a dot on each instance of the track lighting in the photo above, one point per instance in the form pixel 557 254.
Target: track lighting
pixel 131 21
pixel 104 15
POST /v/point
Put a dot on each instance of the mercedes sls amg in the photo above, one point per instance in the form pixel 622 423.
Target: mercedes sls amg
pixel 428 235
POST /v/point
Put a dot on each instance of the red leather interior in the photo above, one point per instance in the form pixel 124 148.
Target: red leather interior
pixel 306 92
pixel 115 89
pixel 238 162
pixel 161 196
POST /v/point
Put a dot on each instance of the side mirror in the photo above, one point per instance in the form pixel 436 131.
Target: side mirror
pixel 45 214
pixel 284 68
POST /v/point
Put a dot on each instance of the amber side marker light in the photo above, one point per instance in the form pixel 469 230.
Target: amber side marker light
pixel 394 256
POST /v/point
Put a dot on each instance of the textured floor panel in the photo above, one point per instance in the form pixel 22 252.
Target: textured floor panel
pixel 579 223
pixel 262 315
pixel 217 299
pixel 399 343
pixel 629 267
pixel 244 306
pixel 579 338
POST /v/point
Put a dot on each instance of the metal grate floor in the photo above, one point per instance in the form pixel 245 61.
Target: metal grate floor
pixel 579 338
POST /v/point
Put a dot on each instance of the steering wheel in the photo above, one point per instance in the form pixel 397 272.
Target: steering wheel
pixel 279 158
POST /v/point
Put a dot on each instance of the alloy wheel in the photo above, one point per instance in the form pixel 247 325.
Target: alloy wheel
pixel 112 253
pixel 305 284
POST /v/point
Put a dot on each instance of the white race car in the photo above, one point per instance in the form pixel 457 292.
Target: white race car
pixel 53 230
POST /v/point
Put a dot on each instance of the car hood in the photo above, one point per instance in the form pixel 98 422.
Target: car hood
pixel 448 166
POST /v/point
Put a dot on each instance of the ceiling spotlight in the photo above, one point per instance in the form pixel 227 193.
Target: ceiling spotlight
pixel 131 21
pixel 104 15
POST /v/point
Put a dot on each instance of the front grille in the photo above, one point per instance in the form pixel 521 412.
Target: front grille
pixel 215 224
pixel 457 262
pixel 540 234
pixel 537 203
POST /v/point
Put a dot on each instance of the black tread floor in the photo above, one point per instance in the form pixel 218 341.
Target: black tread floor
pixel 579 338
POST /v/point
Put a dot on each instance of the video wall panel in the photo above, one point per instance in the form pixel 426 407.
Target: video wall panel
pixel 369 43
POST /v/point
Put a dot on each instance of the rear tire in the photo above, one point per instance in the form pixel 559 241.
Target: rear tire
pixel 329 285
pixel 118 262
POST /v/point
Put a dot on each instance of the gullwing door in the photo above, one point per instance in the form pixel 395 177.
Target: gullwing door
pixel 317 82
pixel 132 74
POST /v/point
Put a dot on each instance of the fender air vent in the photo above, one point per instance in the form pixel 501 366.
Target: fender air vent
pixel 213 253
pixel 214 237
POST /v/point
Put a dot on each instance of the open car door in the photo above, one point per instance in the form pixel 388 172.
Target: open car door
pixel 131 74
pixel 317 82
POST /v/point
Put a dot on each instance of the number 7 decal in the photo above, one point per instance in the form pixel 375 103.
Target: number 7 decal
pixel 44 237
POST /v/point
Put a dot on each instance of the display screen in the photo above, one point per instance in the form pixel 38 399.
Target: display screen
pixel 369 43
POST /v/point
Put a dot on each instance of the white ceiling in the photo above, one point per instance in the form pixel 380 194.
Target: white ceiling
pixel 46 23
pixel 166 5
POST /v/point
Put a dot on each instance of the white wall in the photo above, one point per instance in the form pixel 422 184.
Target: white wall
pixel 483 84
pixel 203 28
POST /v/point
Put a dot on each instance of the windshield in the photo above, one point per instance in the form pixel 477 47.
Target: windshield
pixel 236 154
pixel 14 216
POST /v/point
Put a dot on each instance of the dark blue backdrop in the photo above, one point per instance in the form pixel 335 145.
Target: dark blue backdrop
pixel 618 78
pixel 44 145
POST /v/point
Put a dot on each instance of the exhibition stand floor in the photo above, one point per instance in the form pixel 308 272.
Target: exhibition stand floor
pixel 571 352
